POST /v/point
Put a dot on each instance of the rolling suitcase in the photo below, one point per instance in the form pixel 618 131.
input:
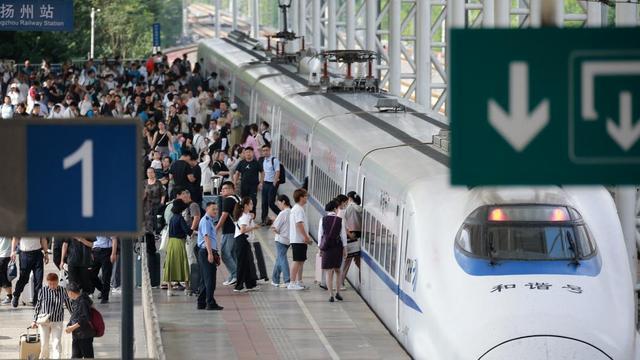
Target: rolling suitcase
pixel 29 346
pixel 154 269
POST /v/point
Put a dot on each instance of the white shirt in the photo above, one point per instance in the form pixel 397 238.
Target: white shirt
pixel 297 215
pixel 5 247
pixel 353 217
pixel 282 226
pixel 30 244
pixel 245 219
pixel 343 230
pixel 7 111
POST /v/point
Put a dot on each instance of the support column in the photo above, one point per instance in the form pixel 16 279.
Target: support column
pixel 457 13
pixel 302 18
pixel 255 18
pixel 423 53
pixel 331 24
pixel 351 24
pixel 315 25
pixel 126 315
pixel 372 14
pixel 293 16
pixel 535 13
pixel 502 9
pixel 488 14
pixel 626 14
pixel 393 47
pixel 217 20
pixel 234 14
pixel 594 14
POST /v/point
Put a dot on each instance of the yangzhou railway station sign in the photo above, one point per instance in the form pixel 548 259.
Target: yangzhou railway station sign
pixel 545 106
pixel 36 15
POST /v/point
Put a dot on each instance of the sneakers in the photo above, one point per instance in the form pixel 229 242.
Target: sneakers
pixel 215 307
pixel 255 288
pixel 331 299
pixel 14 301
pixel 5 301
pixel 275 284
pixel 118 291
pixel 322 286
pixel 266 280
pixel 230 282
pixel 338 296
pixel 241 290
pixel 285 285
pixel 295 287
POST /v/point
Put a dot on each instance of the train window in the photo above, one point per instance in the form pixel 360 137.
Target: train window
pixel 387 254
pixel 383 246
pixel 394 255
pixel 378 238
pixel 526 232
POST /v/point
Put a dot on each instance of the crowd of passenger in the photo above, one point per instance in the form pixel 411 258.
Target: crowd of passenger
pixel 203 172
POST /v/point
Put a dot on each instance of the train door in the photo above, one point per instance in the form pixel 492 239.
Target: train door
pixel 276 130
pixel 345 179
pixel 406 279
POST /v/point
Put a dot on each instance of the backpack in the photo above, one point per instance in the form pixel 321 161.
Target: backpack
pixel 283 177
pixel 264 138
pixel 97 322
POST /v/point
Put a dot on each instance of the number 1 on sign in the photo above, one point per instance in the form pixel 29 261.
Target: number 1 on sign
pixel 84 155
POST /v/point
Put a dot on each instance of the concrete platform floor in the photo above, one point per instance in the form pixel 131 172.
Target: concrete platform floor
pixel 13 323
pixel 274 323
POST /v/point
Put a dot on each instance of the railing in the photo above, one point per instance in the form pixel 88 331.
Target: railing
pixel 155 349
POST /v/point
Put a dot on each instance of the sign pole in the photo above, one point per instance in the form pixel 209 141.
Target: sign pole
pixel 126 333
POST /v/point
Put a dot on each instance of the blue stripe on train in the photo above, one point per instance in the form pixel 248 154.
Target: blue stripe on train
pixel 404 297
pixel 482 267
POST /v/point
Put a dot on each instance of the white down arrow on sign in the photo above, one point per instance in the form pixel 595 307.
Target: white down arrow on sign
pixel 519 127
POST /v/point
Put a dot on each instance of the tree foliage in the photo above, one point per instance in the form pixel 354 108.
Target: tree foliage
pixel 122 27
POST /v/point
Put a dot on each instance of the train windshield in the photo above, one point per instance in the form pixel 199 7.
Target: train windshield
pixel 526 232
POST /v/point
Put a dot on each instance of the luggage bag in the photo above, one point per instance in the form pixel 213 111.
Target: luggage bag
pixel 29 346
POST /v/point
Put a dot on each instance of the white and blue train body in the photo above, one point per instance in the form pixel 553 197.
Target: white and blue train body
pixel 453 272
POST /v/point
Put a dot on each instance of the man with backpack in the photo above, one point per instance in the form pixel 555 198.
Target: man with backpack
pixel 272 176
pixel 228 230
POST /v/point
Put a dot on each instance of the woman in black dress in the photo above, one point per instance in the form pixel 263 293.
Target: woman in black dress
pixel 333 246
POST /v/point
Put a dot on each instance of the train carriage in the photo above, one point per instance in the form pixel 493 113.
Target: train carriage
pixel 452 272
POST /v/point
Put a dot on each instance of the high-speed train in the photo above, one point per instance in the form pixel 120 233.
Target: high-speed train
pixel 453 272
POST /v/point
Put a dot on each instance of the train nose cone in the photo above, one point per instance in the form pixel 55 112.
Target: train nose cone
pixel 545 347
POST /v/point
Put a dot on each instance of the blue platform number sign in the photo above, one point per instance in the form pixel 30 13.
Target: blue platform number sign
pixel 82 178
pixel 156 34
pixel 36 15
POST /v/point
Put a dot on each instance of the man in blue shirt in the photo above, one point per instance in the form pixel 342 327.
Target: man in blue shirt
pixel 105 253
pixel 271 167
pixel 208 259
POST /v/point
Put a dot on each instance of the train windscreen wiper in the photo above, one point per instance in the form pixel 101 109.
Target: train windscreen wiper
pixel 490 249
pixel 574 248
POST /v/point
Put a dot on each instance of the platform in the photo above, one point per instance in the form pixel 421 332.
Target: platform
pixel 274 323
pixel 13 323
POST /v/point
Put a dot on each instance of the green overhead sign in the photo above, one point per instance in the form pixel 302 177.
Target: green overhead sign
pixel 545 106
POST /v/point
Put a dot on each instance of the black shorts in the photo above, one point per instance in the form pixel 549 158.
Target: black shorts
pixel 4 265
pixel 299 252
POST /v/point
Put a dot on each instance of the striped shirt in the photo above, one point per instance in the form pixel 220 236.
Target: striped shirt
pixel 52 302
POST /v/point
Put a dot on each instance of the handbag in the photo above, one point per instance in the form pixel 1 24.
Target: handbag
pixel 164 239
pixel 43 319
pixel 12 270
pixel 324 246
pixel 216 258
pixel 353 246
